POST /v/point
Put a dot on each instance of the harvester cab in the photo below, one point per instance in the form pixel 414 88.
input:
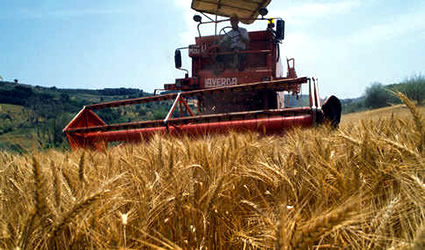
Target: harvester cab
pixel 238 87
pixel 216 65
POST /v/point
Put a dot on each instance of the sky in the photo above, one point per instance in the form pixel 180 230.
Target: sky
pixel 346 44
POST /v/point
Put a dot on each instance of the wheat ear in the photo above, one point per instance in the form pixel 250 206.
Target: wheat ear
pixel 310 233
pixel 214 195
pixel 72 214
pixel 40 204
pixel 419 242
pixel 417 117
pixel 25 235
pixel 401 147
pixel 81 167
pixel 56 184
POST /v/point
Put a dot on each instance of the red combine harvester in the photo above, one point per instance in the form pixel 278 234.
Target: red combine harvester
pixel 238 90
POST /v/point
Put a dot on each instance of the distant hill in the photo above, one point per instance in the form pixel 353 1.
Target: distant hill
pixel 35 116
pixel 378 95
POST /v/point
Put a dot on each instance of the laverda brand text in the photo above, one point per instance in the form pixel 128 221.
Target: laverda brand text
pixel 220 82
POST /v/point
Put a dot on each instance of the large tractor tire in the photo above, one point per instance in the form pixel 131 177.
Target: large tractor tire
pixel 332 109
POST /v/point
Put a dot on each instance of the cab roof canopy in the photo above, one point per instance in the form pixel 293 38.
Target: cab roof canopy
pixel 244 9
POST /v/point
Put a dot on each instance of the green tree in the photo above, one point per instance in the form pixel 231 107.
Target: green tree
pixel 413 87
pixel 377 96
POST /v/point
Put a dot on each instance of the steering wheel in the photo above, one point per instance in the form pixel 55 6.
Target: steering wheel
pixel 216 46
pixel 224 30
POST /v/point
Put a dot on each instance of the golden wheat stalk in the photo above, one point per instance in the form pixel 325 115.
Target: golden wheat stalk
pixel 69 186
pixel 56 184
pixel 417 118
pixel 350 139
pixel 81 166
pixel 419 241
pixel 304 172
pixel 307 235
pixel 25 236
pixel 39 191
pixel 78 209
pixel 402 148
pixel 68 217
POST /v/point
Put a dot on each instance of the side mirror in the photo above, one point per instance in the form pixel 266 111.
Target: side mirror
pixel 178 59
pixel 280 30
pixel 197 18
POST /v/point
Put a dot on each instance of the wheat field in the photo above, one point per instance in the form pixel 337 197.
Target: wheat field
pixel 359 187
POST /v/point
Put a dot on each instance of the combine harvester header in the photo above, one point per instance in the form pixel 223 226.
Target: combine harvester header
pixel 229 89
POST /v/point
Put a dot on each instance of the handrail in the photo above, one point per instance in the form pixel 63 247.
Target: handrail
pixel 244 52
pixel 274 84
pixel 173 107
pixel 310 94
pixel 316 93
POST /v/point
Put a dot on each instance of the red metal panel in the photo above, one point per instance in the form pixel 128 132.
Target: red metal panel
pixel 260 61
pixel 268 126
pixel 84 119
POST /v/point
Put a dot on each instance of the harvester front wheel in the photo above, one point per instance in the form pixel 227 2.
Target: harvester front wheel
pixel 332 109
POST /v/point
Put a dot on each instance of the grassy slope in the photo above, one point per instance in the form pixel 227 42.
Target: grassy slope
pixel 400 111
pixel 13 127
pixel 361 187
pixel 18 129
